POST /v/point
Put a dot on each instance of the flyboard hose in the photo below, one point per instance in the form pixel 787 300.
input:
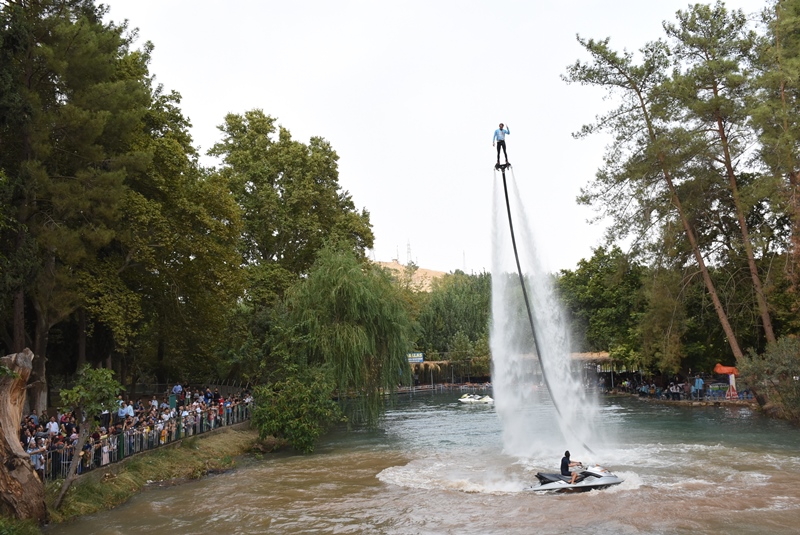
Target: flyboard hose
pixel 527 301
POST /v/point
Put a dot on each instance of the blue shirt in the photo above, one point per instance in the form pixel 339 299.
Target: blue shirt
pixel 698 383
pixel 500 134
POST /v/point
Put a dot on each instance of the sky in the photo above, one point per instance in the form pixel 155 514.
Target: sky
pixel 409 94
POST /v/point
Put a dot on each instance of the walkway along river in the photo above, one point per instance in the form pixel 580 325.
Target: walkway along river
pixel 437 466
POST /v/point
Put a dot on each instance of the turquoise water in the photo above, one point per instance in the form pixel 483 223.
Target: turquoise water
pixel 437 466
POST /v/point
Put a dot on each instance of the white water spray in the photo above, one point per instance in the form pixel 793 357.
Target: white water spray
pixel 520 376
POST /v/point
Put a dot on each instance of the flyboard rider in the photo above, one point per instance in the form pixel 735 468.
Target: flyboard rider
pixel 500 139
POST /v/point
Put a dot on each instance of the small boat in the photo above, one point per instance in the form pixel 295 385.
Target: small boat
pixel 590 478
pixel 475 398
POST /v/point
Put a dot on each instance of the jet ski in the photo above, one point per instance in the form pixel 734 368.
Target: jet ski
pixel 589 478
pixel 475 398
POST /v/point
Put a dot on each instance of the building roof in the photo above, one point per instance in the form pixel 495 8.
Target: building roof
pixel 597 356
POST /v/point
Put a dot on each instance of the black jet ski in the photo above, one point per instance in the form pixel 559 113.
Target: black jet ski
pixel 589 478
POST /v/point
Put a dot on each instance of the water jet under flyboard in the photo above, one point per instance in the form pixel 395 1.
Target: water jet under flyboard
pixel 532 366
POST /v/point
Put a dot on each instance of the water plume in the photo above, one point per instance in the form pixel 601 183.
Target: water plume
pixel 521 375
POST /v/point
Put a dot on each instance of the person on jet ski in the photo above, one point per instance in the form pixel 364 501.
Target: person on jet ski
pixel 566 464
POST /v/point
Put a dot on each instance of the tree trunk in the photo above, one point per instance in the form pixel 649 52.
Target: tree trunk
pixel 81 338
pixel 21 491
pixel 761 300
pixel 19 321
pixel 77 458
pixel 38 387
pixel 722 315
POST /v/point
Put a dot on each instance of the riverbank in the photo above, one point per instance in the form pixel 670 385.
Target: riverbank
pixel 751 403
pixel 192 458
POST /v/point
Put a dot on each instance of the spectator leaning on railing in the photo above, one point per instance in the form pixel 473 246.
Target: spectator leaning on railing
pixel 133 428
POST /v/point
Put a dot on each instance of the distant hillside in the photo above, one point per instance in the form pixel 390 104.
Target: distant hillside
pixel 422 279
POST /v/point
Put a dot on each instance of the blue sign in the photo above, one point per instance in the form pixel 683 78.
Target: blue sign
pixel 415 357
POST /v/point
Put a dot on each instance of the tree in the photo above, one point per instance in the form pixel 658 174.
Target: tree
pixel 117 235
pixel 457 303
pixel 176 250
pixel 412 292
pixel 298 409
pixel 352 320
pixel 21 491
pixel 604 299
pixel 95 391
pixel 663 323
pixel 777 371
pixel 460 351
pixel 709 89
pixel 638 187
pixel 290 200
pixel 76 97
pixel 776 104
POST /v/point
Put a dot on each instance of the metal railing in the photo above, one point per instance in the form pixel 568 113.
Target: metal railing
pixel 54 463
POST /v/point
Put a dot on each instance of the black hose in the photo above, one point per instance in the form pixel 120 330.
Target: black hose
pixel 528 304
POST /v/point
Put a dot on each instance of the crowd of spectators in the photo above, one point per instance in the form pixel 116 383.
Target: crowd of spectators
pixel 133 427
pixel 691 388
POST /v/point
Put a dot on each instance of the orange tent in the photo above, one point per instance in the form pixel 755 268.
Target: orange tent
pixel 726 370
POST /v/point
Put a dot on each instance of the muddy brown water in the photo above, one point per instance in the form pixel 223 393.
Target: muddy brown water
pixel 437 466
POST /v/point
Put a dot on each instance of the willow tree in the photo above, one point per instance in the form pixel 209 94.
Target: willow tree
pixel 353 322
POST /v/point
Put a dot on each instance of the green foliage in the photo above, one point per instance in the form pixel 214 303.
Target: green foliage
pixel 663 323
pixel 481 363
pixel 460 347
pixel 412 293
pixel 777 374
pixel 457 303
pixel 290 198
pixel 95 391
pixel 10 526
pixel 352 319
pixel 106 213
pixel 680 178
pixel 66 143
pixel 603 297
pixel 777 102
pixel 298 409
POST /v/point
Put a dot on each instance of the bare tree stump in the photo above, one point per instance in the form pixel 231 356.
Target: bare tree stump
pixel 21 491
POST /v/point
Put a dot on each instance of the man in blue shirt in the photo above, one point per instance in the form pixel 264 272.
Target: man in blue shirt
pixel 698 386
pixel 500 138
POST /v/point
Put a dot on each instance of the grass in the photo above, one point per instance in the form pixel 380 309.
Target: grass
pixel 10 526
pixel 193 459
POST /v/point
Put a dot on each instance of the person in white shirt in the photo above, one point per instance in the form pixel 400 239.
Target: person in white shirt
pixel 52 426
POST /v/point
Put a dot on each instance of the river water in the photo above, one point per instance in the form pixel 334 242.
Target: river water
pixel 437 466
